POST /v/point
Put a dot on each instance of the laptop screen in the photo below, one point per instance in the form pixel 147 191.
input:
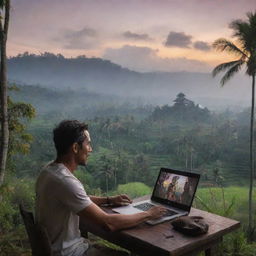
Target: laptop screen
pixel 176 188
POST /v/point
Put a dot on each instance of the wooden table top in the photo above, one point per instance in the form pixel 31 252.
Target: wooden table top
pixel 162 239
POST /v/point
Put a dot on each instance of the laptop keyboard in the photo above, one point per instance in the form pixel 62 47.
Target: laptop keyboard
pixel 147 206
pixel 144 206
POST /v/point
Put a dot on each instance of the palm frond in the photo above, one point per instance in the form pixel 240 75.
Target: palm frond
pixel 245 48
pixel 245 32
pixel 252 18
pixel 223 44
pixel 224 66
pixel 231 72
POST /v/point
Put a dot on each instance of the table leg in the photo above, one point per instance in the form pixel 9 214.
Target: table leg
pixel 208 252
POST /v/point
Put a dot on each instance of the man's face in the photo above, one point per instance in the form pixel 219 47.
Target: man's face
pixel 84 150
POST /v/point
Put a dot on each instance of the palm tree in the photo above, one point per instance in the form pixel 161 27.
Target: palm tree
pixel 245 51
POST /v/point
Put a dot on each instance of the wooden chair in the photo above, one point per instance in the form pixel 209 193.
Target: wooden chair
pixel 38 237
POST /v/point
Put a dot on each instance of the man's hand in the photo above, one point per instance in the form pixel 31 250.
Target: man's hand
pixel 157 212
pixel 120 200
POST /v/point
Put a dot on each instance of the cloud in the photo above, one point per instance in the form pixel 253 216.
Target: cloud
pixel 135 36
pixel 178 39
pixel 200 45
pixel 145 59
pixel 85 38
pixel 80 33
pixel 129 50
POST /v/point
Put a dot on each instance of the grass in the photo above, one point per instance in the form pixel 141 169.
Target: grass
pixel 134 189
pixel 216 199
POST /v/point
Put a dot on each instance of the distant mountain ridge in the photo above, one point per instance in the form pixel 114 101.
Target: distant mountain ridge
pixel 103 76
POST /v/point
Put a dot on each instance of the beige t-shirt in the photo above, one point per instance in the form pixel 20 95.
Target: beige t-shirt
pixel 59 197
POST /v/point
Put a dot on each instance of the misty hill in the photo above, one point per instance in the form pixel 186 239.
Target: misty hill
pixel 53 104
pixel 102 76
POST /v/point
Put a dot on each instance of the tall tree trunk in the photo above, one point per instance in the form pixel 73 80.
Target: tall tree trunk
pixel 106 180
pixel 3 91
pixel 191 159
pixel 186 160
pixel 115 177
pixel 251 225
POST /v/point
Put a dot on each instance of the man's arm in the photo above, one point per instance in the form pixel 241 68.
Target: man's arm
pixel 113 200
pixel 99 200
pixel 113 222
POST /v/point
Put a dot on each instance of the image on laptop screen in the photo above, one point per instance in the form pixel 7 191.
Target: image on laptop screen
pixel 176 188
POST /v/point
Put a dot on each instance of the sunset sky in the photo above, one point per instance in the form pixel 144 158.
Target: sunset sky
pixel 143 35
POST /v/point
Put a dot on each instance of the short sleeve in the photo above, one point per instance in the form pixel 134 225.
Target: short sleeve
pixel 73 195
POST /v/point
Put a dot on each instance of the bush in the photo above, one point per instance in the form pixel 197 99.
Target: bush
pixel 236 244
pixel 230 202
pixel 13 238
pixel 7 212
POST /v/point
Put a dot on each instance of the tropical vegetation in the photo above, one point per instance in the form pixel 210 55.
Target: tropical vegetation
pixel 245 53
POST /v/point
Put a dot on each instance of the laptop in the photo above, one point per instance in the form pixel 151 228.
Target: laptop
pixel 173 189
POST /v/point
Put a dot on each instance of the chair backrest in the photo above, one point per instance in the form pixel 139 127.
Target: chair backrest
pixel 38 237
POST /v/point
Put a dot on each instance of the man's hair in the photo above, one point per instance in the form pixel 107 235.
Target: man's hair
pixel 67 133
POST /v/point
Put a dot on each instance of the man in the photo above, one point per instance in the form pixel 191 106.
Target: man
pixel 61 199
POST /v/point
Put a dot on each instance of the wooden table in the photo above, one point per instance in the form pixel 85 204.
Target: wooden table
pixel 163 240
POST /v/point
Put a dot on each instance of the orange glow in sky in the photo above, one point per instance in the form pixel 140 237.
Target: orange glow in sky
pixel 142 35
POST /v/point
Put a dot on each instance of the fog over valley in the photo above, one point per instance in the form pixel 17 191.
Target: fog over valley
pixel 99 76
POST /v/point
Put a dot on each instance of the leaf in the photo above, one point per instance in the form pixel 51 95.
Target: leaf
pixel 223 44
pixel 233 70
pixel 228 210
pixel 204 204
pixel 222 67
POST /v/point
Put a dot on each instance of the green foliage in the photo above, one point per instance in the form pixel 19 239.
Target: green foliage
pixel 183 109
pixel 235 206
pixel 13 238
pixel 20 140
pixel 23 192
pixel 134 189
pixel 211 199
pixel 236 244
pixel 13 193
pixel 105 244
pixel 129 150
pixel 6 209
pixel 87 179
